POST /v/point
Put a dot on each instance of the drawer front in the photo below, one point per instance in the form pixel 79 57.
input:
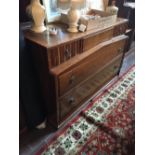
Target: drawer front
pixel 78 95
pixel 120 29
pixel 89 66
pixel 69 50
pixel 64 52
pixel 95 39
pixel 53 57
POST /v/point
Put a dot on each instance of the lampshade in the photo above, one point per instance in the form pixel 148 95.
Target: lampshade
pixel 65 4
pixel 65 1
pixel 79 1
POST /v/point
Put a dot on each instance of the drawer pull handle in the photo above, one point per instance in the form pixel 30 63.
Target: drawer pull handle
pixel 72 79
pixel 120 50
pixel 121 29
pixel 67 53
pixel 116 67
pixel 72 101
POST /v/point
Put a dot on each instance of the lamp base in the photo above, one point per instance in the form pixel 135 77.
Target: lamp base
pixel 72 29
pixel 38 29
pixel 73 18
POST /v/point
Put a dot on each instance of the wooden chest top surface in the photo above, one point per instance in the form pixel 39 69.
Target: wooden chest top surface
pixel 50 41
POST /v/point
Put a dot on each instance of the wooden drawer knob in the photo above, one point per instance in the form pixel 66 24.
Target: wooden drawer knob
pixel 120 50
pixel 72 79
pixel 116 67
pixel 121 29
pixel 72 101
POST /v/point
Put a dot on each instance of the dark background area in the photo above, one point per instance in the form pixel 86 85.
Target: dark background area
pixel 22 10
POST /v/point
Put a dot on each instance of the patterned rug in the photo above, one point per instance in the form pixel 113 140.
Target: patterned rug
pixel 106 127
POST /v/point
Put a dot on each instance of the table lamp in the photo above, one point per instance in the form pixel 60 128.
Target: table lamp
pixel 37 13
pixel 73 15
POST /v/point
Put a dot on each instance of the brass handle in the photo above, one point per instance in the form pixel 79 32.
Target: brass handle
pixel 120 50
pixel 71 80
pixel 72 101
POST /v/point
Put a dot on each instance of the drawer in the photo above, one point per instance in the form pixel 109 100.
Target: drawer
pixel 73 99
pixel 64 52
pixel 120 29
pixel 53 57
pixel 89 66
pixel 95 39
pixel 70 49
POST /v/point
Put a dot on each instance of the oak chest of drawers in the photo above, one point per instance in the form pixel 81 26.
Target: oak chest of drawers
pixel 73 66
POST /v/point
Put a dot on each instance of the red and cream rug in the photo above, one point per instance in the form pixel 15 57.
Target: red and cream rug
pixel 106 127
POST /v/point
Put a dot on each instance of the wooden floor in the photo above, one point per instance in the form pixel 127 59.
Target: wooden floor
pixel 30 142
